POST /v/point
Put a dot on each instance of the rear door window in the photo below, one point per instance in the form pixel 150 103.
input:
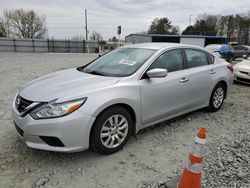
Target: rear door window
pixel 196 58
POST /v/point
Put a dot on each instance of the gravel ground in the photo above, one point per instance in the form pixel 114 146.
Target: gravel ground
pixel 150 159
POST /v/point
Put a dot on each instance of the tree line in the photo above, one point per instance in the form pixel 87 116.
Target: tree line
pixel 22 23
pixel 233 27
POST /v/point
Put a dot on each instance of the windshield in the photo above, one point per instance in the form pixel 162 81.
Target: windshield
pixel 120 62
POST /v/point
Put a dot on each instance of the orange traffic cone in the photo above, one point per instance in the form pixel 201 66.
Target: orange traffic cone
pixel 191 177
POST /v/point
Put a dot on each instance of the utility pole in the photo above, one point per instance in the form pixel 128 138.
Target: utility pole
pixel 86 25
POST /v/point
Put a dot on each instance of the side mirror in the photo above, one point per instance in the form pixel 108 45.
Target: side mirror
pixel 157 73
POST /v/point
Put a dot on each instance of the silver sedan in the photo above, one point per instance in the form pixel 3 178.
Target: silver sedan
pixel 100 105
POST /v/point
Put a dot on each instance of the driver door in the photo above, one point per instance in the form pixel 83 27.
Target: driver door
pixel 162 97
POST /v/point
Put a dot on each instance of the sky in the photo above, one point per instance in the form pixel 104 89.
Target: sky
pixel 65 18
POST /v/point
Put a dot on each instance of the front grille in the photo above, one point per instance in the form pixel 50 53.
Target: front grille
pixel 22 104
pixel 243 80
pixel 20 131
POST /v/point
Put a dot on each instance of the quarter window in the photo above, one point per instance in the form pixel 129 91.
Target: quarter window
pixel 170 60
pixel 210 58
pixel 196 58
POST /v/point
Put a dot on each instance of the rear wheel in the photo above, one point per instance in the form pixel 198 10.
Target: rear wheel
pixel 111 130
pixel 217 97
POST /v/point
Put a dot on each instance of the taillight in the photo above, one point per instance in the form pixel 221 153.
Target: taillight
pixel 230 67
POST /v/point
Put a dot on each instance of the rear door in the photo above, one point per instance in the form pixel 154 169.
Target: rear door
pixel 161 97
pixel 201 76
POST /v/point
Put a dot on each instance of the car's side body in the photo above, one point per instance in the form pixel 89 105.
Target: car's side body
pixel 149 101
pixel 240 51
pixel 130 92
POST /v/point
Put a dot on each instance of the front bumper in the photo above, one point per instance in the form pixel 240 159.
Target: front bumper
pixel 72 131
pixel 241 77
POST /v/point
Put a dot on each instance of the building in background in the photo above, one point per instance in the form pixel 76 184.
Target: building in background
pixel 184 39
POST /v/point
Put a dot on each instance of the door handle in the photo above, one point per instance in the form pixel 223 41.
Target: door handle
pixel 212 71
pixel 183 80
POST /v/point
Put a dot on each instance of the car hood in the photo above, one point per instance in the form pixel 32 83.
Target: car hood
pixel 66 83
pixel 244 65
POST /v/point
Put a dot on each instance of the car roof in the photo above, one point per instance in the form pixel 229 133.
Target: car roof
pixel 159 45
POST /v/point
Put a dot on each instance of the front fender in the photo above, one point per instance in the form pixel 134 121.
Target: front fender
pixel 102 99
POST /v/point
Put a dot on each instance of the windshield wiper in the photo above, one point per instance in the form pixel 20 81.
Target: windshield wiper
pixel 95 73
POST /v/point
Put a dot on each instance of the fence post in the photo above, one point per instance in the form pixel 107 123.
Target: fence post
pixel 77 46
pixel 48 45
pixel 33 45
pixel 68 46
pixel 83 46
pixel 65 46
pixel 53 45
pixel 14 40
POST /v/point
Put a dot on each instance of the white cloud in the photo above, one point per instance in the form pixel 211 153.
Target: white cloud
pixel 66 18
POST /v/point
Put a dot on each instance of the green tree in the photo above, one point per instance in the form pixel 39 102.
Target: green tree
pixel 205 25
pixel 24 24
pixel 190 30
pixel 234 27
pixel 162 26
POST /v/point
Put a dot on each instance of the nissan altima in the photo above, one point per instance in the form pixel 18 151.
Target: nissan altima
pixel 101 104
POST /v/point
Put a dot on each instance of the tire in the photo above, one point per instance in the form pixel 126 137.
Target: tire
pixel 230 59
pixel 108 136
pixel 218 94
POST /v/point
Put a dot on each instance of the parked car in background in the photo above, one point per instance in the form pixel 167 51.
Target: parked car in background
pixel 99 105
pixel 246 46
pixel 240 51
pixel 227 51
pixel 214 49
pixel 242 71
pixel 224 51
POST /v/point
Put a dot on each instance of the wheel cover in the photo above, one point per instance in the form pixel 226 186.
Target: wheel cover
pixel 114 131
pixel 218 97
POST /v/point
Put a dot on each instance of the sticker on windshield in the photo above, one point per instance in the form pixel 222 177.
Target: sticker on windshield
pixel 127 62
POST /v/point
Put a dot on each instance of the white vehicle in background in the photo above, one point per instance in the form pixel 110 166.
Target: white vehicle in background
pixel 214 49
pixel 242 71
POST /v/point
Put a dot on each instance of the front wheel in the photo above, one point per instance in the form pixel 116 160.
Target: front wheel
pixel 217 97
pixel 111 130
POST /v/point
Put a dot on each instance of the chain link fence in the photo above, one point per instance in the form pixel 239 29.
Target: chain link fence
pixel 48 45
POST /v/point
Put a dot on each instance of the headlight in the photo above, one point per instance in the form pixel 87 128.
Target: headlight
pixel 54 110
